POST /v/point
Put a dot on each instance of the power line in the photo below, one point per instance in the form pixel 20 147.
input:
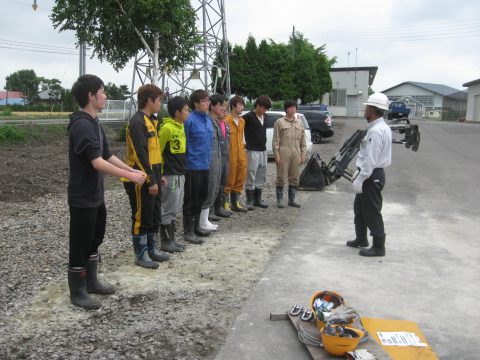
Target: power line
pixel 37 50
pixel 18 42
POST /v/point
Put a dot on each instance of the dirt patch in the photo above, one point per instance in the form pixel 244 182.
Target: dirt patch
pixel 183 310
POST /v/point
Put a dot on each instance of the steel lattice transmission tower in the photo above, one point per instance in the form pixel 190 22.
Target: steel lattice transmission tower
pixel 212 53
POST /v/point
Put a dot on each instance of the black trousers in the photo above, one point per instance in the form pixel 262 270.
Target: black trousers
pixel 87 230
pixel 367 206
pixel 146 208
pixel 196 191
pixel 224 176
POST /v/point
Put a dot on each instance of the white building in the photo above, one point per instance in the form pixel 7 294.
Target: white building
pixel 430 100
pixel 473 102
pixel 349 90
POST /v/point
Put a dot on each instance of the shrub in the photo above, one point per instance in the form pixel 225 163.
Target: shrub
pixel 7 111
pixel 9 134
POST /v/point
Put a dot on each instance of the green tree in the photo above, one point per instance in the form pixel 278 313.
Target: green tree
pixel 115 92
pixel 118 29
pixel 250 68
pixel 54 88
pixel 238 72
pixel 25 81
pixel 283 71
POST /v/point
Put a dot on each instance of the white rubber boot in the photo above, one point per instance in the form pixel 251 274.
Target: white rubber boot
pixel 204 223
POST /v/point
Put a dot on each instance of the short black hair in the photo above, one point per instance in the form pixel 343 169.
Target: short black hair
pixel 263 101
pixel 289 103
pixel 177 103
pixel 379 112
pixel 237 99
pixel 148 91
pixel 216 99
pixel 197 96
pixel 84 85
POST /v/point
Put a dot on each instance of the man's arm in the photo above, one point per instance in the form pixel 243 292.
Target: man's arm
pixel 106 167
pixel 120 164
pixel 276 141
pixel 303 145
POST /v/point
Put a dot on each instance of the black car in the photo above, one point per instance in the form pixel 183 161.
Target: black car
pixel 320 124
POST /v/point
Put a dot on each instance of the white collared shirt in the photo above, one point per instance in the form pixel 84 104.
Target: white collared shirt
pixel 375 149
pixel 260 118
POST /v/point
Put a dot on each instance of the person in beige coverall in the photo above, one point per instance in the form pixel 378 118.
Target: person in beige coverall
pixel 290 150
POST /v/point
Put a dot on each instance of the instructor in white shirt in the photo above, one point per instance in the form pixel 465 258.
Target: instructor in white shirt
pixel 374 156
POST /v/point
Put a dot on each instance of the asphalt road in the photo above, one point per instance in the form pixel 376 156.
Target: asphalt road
pixel 430 275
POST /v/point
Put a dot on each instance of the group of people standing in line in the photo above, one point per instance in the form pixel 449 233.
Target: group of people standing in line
pixel 196 162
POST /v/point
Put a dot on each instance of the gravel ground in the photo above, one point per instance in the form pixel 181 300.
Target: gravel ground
pixel 183 310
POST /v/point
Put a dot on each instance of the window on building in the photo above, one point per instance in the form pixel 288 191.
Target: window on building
pixel 338 97
pixel 426 100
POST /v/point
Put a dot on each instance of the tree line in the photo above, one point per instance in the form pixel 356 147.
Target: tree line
pixel 295 70
pixel 30 85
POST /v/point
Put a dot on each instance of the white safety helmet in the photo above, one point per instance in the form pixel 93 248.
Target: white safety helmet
pixel 378 100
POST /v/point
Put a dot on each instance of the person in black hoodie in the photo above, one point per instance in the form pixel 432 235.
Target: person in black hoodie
pixel 90 158
pixel 256 144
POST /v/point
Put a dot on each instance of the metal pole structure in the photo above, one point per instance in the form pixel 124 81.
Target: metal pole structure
pixel 205 40
pixel 82 59
pixel 226 52
pixel 212 53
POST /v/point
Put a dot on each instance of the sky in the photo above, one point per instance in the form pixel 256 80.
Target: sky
pixel 434 41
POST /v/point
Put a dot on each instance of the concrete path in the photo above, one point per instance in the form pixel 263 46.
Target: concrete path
pixel 430 275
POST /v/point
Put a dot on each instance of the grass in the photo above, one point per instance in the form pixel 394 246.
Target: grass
pixel 32 115
pixel 11 134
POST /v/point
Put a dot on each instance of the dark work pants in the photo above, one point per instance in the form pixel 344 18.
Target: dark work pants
pixel 87 229
pixel 367 206
pixel 146 209
pixel 196 191
pixel 223 178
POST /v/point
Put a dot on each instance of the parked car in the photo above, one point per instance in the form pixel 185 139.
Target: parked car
pixel 273 116
pixel 321 125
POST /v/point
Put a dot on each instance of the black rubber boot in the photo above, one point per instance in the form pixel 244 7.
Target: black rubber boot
pixel 78 290
pixel 250 199
pixel 218 207
pixel 236 206
pixel 378 248
pixel 166 243
pixel 189 230
pixel 95 286
pixel 140 247
pixel 198 229
pixel 257 196
pixel 360 237
pixel 292 192
pixel 212 215
pixel 280 197
pixel 357 243
pixel 155 255
pixel 171 229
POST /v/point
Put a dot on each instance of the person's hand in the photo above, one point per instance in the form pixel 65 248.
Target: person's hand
pixel 358 186
pixel 163 181
pixel 137 171
pixel 277 159
pixel 153 190
pixel 302 159
pixel 137 177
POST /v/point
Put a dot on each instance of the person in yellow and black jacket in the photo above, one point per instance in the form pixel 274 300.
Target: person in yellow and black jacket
pixel 173 146
pixel 143 153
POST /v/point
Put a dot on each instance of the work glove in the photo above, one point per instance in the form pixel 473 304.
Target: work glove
pixel 343 314
pixel 357 186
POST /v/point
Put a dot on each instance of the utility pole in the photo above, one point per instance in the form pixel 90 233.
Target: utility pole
pixel 82 58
